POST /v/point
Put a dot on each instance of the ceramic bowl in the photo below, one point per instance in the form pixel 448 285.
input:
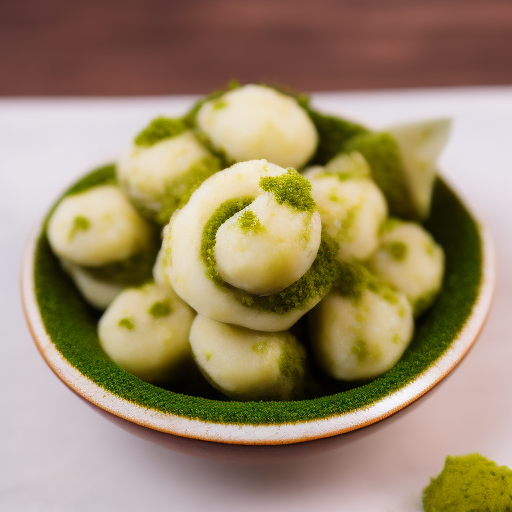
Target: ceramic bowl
pixel 64 330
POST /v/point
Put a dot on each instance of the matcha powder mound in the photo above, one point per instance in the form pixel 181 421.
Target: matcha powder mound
pixel 470 483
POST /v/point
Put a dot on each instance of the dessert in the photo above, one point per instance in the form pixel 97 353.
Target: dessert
pixel 193 246
pixel 163 167
pixel 409 259
pixel 247 364
pixel 145 330
pixel 271 213
pixel 255 122
pixel 362 327
pixel 351 205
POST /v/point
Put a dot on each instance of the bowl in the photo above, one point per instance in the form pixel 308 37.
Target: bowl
pixel 64 331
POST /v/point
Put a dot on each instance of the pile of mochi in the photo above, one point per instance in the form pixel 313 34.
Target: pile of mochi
pixel 221 231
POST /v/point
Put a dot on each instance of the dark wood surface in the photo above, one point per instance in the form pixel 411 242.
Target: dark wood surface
pixel 130 47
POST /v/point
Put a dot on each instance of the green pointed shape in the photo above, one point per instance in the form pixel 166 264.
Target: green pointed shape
pixel 403 161
pixel 420 145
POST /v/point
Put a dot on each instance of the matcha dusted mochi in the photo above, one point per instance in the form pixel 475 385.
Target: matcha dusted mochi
pixel 409 259
pixel 351 206
pixel 100 239
pixel 163 167
pixel 267 246
pixel 361 328
pixel 247 364
pixel 145 330
pixel 97 227
pixel 256 121
pixel 286 268
pixel 252 245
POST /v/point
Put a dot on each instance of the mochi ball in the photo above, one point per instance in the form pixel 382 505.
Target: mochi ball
pixel 352 211
pixel 192 248
pixel 145 331
pixel 267 246
pixel 168 167
pixel 97 227
pixel 409 259
pixel 255 122
pixel 360 333
pixel 246 364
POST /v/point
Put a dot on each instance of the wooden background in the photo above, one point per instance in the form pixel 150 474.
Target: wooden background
pixel 134 47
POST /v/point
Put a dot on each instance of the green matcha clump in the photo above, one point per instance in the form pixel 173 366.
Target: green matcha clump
pixel 352 280
pixel 470 483
pixel 314 283
pixel 160 309
pixel 180 189
pixel 249 221
pixel 159 129
pixel 398 250
pixel 290 189
pixel 80 223
pixel 127 323
pixel 382 154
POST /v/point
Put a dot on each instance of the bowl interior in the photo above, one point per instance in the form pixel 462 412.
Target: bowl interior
pixel 71 325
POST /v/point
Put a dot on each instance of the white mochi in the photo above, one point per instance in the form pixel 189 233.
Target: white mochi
pixel 273 255
pixel 185 267
pixel 409 259
pixel 97 227
pixel 360 338
pixel 144 172
pixel 145 330
pixel 352 212
pixel 255 122
pixel 97 292
pixel 245 364
pixel 420 145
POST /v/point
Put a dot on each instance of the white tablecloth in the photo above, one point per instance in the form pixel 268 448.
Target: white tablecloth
pixel 57 454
